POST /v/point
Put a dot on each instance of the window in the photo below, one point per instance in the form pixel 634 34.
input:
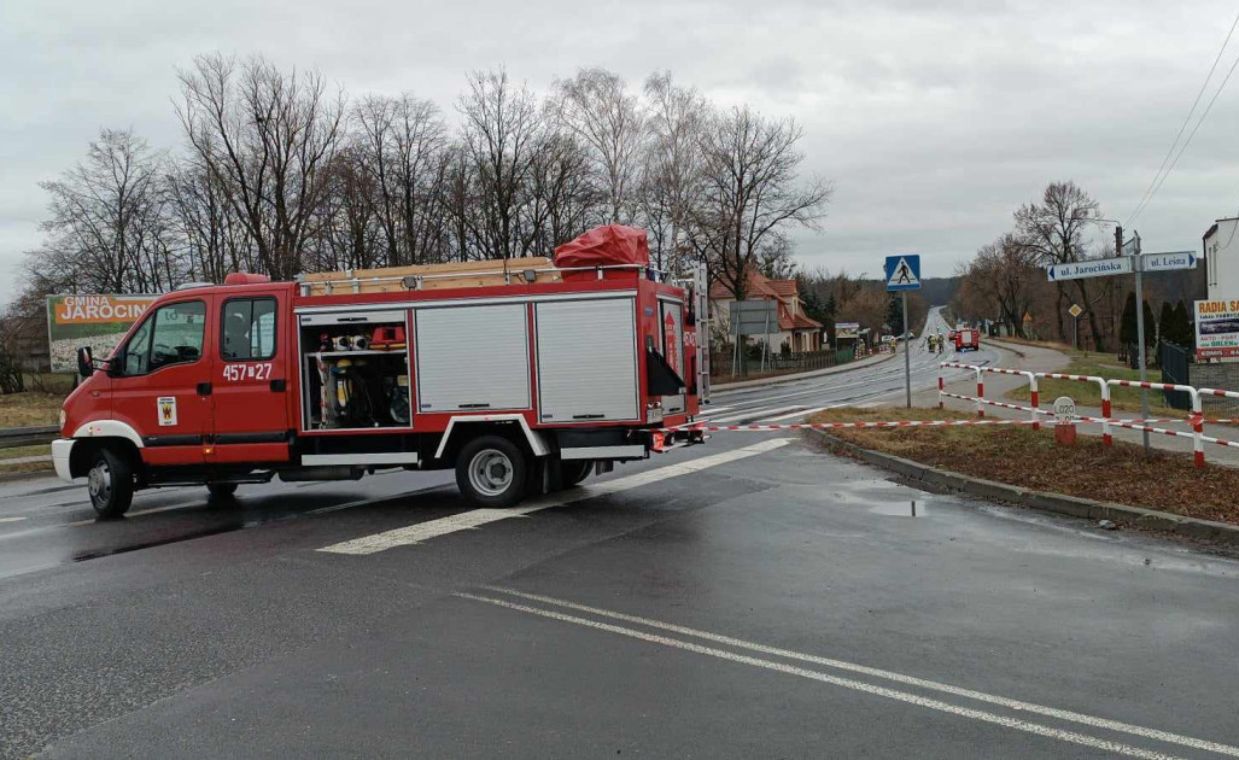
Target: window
pixel 248 329
pixel 172 335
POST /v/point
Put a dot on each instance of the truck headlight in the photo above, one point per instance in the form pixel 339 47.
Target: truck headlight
pixel 62 419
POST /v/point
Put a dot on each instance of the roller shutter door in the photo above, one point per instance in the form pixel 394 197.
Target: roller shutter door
pixel 587 360
pixel 472 358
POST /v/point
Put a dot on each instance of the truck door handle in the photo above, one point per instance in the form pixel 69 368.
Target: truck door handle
pixel 278 386
pixel 204 389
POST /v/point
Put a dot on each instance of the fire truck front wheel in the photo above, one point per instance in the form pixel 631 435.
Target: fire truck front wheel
pixel 491 471
pixel 110 482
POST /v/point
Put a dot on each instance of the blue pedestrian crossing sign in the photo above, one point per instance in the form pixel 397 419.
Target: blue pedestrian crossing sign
pixel 903 272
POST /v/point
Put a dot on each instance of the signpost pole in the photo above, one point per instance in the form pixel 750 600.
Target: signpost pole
pixel 903 273
pixel 1144 393
pixel 1075 332
pixel 907 352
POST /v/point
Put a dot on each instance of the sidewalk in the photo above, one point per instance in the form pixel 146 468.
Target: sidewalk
pixel 1039 359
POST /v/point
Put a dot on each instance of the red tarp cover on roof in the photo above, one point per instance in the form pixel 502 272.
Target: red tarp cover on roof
pixel 603 246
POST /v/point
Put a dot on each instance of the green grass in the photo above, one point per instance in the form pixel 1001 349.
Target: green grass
pixel 17 452
pixel 1089 394
pixel 30 409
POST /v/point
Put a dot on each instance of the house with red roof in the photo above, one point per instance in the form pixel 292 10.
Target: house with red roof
pixel 795 329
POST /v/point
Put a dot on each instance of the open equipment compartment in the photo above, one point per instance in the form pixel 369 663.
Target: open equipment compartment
pixel 354 370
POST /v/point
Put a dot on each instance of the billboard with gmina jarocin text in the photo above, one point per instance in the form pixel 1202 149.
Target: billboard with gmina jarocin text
pixel 95 320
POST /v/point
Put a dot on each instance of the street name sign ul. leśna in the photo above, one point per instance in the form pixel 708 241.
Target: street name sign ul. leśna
pixel 1166 262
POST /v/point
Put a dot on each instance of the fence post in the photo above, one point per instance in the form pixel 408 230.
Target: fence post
pixel 1035 400
pixel 1198 429
pixel 980 391
pixel 1106 438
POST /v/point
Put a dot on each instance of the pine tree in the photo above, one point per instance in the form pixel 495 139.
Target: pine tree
pixel 1185 334
pixel 894 314
pixel 1150 327
pixel 1127 327
pixel 1165 322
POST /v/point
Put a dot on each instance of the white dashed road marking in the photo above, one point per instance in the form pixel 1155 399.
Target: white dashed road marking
pixel 419 532
pixel 861 686
pixel 754 413
pixel 801 413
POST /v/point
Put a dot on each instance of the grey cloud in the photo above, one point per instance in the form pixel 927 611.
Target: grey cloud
pixel 935 120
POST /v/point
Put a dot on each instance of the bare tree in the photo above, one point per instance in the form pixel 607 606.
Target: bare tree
pixel 751 191
pixel 499 137
pixel 561 195
pixel 268 138
pixel 597 109
pixel 1002 279
pixel 211 234
pixel 1054 228
pixel 108 231
pixel 671 169
pixel 401 145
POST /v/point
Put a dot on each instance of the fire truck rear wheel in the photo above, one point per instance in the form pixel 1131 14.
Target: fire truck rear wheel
pixel 575 471
pixel 110 482
pixel 491 472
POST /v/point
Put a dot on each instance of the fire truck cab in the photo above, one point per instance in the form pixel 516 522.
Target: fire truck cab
pixel 524 376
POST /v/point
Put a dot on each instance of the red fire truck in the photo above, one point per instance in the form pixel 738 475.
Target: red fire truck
pixel 522 375
pixel 967 339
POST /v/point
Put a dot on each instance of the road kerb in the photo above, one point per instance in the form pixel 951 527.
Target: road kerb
pixel 1072 506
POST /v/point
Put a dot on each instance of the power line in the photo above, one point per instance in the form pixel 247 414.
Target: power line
pixel 1159 176
pixel 1193 132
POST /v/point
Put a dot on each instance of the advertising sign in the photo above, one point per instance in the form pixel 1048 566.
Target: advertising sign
pixel 847 330
pixel 1217 329
pixel 754 317
pixel 98 321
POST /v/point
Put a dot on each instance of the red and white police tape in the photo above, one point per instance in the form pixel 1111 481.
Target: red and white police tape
pixel 1196 420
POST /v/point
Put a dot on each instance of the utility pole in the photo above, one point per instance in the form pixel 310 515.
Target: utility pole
pixel 1144 376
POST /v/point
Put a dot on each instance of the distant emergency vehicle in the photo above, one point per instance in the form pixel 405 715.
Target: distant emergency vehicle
pixel 967 339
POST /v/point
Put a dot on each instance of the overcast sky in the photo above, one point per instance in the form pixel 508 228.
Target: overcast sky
pixel 934 121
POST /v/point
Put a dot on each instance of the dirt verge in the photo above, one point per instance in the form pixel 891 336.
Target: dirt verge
pixel 1022 457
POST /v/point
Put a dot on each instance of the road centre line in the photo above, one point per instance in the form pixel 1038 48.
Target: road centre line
pixel 11 519
pixel 419 532
pixel 848 683
pixel 900 678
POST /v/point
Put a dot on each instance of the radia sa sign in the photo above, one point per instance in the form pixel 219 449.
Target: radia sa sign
pixel 1217 329
pixel 98 321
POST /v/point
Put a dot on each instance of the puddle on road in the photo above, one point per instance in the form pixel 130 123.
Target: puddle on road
pixel 907 508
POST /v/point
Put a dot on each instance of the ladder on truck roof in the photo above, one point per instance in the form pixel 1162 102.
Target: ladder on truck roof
pixel 460 274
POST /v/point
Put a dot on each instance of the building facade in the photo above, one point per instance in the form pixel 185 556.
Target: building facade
pixel 1221 253
pixel 795 330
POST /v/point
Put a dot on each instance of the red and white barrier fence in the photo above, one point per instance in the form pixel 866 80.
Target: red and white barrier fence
pixel 1106 420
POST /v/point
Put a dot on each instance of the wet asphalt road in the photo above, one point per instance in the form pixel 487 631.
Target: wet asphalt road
pixel 750 597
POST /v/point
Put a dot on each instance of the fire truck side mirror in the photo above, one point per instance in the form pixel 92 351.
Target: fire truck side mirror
pixel 85 362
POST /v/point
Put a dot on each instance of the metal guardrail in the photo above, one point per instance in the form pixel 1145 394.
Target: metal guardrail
pixel 27 436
